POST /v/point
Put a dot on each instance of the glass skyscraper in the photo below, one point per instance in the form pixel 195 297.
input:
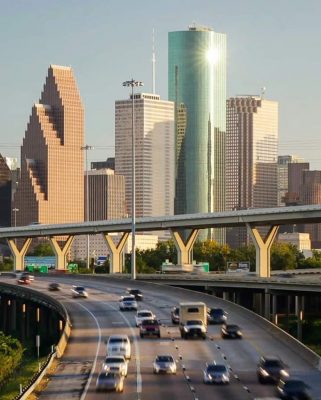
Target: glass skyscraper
pixel 197 85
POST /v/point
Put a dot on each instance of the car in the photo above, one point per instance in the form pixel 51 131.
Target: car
pixel 53 286
pixel 164 364
pixel 175 315
pixel 119 345
pixel 149 327
pixel 26 275
pixel 231 331
pixel 137 293
pixel 79 291
pixel 24 280
pixel 116 363
pixel 216 373
pixel 127 303
pixel 109 380
pixel 143 315
pixel 193 328
pixel 294 389
pixel 271 369
pixel 216 316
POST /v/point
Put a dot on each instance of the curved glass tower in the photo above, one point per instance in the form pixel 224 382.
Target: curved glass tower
pixel 197 85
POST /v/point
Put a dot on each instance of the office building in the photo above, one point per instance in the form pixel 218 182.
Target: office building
pixel 51 187
pixel 251 157
pixel 109 163
pixel 5 193
pixel 154 146
pixel 300 240
pixel 283 175
pixel 197 85
pixel 106 195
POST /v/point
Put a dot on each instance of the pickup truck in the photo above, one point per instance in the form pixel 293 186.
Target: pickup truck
pixel 149 327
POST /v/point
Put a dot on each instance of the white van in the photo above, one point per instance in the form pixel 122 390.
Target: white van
pixel 119 345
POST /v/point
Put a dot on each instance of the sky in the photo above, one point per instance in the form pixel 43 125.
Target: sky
pixel 274 44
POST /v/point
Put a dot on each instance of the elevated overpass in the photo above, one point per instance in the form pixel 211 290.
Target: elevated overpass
pixel 271 217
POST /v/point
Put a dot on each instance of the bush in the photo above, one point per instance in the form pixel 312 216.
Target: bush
pixel 11 353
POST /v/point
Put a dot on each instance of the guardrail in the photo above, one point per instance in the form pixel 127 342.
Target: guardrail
pixel 48 301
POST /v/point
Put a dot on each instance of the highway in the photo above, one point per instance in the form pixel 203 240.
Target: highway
pixel 97 317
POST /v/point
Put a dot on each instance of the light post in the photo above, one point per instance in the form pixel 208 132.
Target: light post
pixel 15 210
pixel 86 148
pixel 132 83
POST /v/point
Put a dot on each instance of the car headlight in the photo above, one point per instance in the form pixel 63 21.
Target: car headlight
pixel 224 376
pixel 283 372
pixel 264 372
pixel 239 333
pixel 185 329
pixel 209 377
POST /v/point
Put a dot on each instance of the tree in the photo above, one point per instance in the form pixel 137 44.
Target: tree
pixel 213 253
pixel 283 256
pixel 42 250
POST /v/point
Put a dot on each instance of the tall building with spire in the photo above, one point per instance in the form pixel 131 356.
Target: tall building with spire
pixel 197 85
pixel 51 187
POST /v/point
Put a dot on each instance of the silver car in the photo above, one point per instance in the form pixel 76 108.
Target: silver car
pixel 216 373
pixel 108 380
pixel 116 363
pixel 164 364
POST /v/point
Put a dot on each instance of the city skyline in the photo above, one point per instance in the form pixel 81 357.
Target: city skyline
pixel 267 46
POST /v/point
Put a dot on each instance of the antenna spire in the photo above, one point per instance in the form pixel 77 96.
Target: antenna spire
pixel 153 64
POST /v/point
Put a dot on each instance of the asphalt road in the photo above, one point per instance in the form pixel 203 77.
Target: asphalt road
pixel 97 317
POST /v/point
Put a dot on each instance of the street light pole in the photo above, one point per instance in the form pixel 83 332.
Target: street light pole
pixel 15 210
pixel 132 83
pixel 86 148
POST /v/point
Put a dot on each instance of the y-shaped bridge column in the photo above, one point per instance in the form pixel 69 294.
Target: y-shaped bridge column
pixel 184 250
pixel 263 248
pixel 116 261
pixel 61 253
pixel 19 256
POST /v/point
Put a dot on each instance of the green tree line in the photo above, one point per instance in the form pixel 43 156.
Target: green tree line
pixel 11 353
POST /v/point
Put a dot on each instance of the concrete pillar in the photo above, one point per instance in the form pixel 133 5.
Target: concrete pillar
pixel 13 317
pixel 184 249
pixel 267 303
pixel 226 296
pixel 275 308
pixel 263 248
pixel 299 308
pixel 19 255
pixel 61 253
pixel 257 303
pixel 116 260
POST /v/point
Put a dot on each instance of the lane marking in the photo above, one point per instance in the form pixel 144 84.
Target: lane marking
pixel 84 393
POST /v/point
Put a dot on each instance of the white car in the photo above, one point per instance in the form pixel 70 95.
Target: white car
pixel 79 291
pixel 142 315
pixel 116 363
pixel 127 303
pixel 164 364
pixel 119 345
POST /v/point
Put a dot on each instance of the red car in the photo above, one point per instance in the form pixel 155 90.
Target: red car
pixel 24 280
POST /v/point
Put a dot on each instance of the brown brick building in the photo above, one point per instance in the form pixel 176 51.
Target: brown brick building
pixel 51 189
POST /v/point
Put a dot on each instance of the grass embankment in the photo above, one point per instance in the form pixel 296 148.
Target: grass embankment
pixel 29 367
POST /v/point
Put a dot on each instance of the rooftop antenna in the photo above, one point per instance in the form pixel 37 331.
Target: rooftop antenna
pixel 153 63
pixel 263 89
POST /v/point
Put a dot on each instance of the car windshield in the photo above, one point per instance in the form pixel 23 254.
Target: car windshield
pixel 135 291
pixel 216 312
pixel 117 340
pixel 113 360
pixel 128 299
pixel 150 322
pixel 164 359
pixel 232 327
pixel 194 322
pixel 272 363
pixel 216 368
pixel 80 289
pixel 145 314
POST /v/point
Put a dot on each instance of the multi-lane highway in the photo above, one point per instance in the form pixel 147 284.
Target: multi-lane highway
pixel 98 316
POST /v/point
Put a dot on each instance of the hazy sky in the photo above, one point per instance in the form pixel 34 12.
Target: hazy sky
pixel 275 43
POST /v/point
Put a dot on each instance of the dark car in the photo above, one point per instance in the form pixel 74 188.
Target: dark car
pixel 231 331
pixel 216 316
pixel 137 293
pixel 175 315
pixel 149 327
pixel 24 280
pixel 294 389
pixel 53 286
pixel 271 369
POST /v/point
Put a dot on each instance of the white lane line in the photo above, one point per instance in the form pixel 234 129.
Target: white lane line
pixel 84 393
pixel 139 382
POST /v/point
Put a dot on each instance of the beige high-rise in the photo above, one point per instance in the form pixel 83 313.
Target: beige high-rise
pixel 51 189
